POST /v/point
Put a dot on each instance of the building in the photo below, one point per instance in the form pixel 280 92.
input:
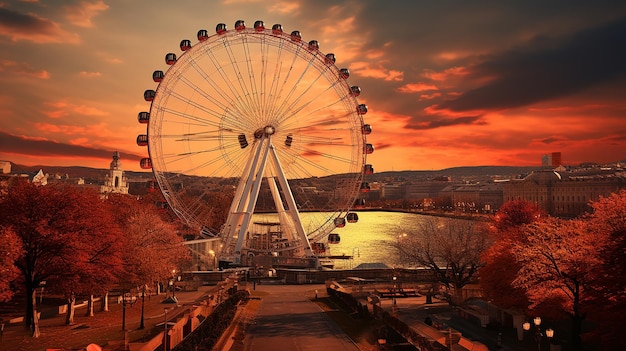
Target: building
pixel 556 159
pixel 564 194
pixel 115 181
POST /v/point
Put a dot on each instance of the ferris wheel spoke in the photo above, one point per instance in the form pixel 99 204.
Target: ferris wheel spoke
pixel 235 101
pixel 290 109
pixel 279 82
pixel 254 88
pixel 294 87
pixel 246 94
pixel 228 104
pixel 193 117
pixel 294 113
pixel 278 93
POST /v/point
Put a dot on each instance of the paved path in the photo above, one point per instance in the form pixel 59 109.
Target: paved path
pixel 287 320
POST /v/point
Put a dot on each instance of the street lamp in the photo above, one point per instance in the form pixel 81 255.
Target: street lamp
pixel 165 330
pixel 214 256
pixel 394 307
pixel 538 334
pixel 143 300
pixel 352 258
pixel 173 283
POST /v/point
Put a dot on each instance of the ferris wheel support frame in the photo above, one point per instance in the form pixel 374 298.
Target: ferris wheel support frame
pixel 238 220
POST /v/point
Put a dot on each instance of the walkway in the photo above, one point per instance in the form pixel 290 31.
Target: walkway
pixel 288 320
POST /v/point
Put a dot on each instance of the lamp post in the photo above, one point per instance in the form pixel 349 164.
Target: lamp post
pixel 352 258
pixel 394 306
pixel 165 330
pixel 214 259
pixel 538 335
pixel 143 299
pixel 175 278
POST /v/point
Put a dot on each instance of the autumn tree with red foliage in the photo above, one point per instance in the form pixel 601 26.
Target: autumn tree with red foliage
pixel 151 246
pixel 500 267
pixel 607 227
pixel 67 240
pixel 557 262
pixel 10 250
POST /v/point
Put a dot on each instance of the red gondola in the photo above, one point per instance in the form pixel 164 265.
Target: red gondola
pixel 361 109
pixel 365 187
pixel 220 28
pixel 170 58
pixel 334 238
pixel 157 76
pixel 143 117
pixel 296 36
pixel 314 45
pixel 366 129
pixel 145 163
pixel 240 25
pixel 344 73
pixel 142 140
pixel 149 95
pixel 330 59
pixel 355 90
pixel 340 222
pixel 352 217
pixel 185 44
pixel 259 26
pixel 203 35
pixel 277 29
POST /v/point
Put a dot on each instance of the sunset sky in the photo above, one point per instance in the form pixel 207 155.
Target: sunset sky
pixel 447 83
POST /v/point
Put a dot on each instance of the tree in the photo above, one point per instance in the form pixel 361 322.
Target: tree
pixel 556 267
pixel 501 267
pixel 66 239
pixel 450 248
pixel 607 224
pixel 151 246
pixel 10 251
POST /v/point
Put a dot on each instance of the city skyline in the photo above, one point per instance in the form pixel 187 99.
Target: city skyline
pixel 447 84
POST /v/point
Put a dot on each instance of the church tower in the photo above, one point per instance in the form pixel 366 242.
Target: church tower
pixel 115 181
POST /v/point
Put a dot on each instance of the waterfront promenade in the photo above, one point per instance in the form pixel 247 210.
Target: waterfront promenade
pixel 104 328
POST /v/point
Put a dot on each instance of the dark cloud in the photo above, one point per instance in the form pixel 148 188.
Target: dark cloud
pixel 551 140
pixel 447 122
pixel 45 148
pixel 25 23
pixel 548 69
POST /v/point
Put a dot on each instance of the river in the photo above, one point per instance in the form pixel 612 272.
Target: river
pixel 371 239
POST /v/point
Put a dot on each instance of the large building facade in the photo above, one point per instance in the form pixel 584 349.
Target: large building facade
pixel 564 194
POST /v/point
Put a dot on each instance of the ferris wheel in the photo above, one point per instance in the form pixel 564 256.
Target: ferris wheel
pixel 265 120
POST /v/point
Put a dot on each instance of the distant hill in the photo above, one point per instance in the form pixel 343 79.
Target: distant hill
pixel 454 172
pixel 74 171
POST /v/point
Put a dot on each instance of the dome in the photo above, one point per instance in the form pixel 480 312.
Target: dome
pixel 544 177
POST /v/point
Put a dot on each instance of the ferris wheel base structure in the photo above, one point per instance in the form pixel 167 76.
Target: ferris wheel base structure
pixel 264 121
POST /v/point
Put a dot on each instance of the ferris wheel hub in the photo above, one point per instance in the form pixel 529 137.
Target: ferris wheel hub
pixel 264 132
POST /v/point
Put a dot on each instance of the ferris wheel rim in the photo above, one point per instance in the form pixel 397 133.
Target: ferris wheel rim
pixel 175 75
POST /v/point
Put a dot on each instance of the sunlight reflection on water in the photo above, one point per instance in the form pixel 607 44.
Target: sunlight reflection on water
pixel 372 237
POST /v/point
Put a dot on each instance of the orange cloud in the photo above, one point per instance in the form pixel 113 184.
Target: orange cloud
pixel 31 27
pixel 365 69
pixel 90 74
pixel 285 7
pixel 63 109
pixel 445 75
pixel 22 69
pixel 82 14
pixel 416 88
